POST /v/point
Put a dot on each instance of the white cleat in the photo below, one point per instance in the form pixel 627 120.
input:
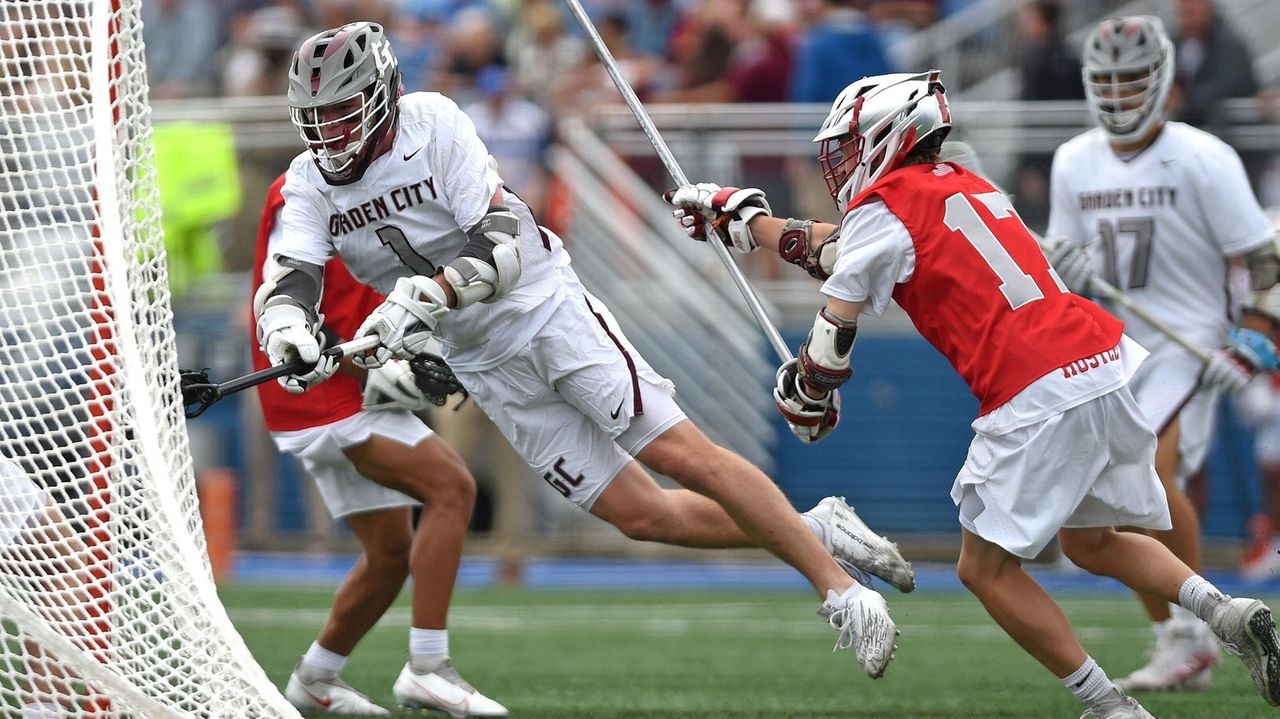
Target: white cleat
pixel 1181 660
pixel 331 695
pixel 858 549
pixel 1246 629
pixel 1119 707
pixel 440 687
pixel 861 617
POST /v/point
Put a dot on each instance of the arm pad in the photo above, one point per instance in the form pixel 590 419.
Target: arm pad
pixel 824 356
pixel 488 266
pixel 297 283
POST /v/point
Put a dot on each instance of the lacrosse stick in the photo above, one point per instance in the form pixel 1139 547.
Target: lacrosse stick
pixel 1109 291
pixel 673 168
pixel 199 393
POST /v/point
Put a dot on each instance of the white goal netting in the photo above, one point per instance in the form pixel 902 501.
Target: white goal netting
pixel 107 603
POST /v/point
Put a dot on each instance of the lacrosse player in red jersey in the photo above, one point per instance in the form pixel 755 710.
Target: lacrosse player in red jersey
pixel 1161 210
pixel 1061 446
pixel 402 189
pixel 373 461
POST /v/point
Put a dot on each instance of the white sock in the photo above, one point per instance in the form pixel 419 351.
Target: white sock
pixel 1201 597
pixel 322 663
pixel 428 643
pixel 42 710
pixel 1089 683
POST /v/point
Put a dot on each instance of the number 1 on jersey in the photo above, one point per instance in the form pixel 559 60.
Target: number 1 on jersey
pixel 1017 286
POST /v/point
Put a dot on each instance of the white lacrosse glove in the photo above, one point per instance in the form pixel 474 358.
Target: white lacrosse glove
pixel 404 322
pixel 1071 261
pixel 393 386
pixel 809 419
pixel 285 335
pixel 706 203
pixel 1247 354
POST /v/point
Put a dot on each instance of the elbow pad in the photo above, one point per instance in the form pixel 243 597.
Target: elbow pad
pixel 794 247
pixel 488 267
pixel 1264 268
pixel 297 283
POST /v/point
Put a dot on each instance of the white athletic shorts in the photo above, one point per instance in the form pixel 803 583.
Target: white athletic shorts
pixel 1168 385
pixel 1088 466
pixel 578 402
pixel 344 490
pixel 20 502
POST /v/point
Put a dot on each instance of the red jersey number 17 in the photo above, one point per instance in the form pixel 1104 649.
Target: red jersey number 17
pixel 1018 287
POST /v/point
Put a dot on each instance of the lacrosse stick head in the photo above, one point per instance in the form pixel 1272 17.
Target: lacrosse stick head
pixel 874 124
pixel 198 393
pixel 1128 67
pixel 344 85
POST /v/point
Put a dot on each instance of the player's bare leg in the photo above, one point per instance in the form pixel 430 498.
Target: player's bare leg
pixel 1184 652
pixel 729 502
pixel 1244 626
pixel 433 473
pixel 374 582
pixel 752 501
pixel 1031 618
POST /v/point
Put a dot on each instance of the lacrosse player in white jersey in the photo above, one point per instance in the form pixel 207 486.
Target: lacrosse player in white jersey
pixel 1160 210
pixel 405 192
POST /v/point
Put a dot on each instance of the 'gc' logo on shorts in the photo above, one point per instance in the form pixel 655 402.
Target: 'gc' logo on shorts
pixel 563 483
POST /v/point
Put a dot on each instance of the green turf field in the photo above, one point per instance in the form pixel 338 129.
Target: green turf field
pixel 710 654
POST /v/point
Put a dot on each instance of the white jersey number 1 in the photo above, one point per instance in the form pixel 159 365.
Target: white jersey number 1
pixel 1018 287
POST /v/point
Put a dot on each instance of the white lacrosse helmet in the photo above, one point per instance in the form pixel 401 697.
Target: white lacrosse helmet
pixel 1128 67
pixel 874 124
pixel 352 67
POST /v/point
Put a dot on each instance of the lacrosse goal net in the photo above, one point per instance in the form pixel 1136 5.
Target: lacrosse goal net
pixel 107 603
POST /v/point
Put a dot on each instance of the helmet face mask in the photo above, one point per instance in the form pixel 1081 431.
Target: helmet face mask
pixel 343 90
pixel 1128 69
pixel 874 124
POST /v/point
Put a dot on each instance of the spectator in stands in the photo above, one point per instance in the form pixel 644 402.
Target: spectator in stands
pixel 1049 72
pixel 260 51
pixel 182 36
pixel 703 43
pixel 1213 64
pixel 541 51
pixel 760 60
pixel 474 43
pixel 516 131
pixel 840 46
pixel 651 25
pixel 420 30
pixel 589 84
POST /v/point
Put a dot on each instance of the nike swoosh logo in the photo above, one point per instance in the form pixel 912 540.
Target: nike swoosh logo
pixel 614 414
pixel 1166 163
pixel 411 154
pixel 322 702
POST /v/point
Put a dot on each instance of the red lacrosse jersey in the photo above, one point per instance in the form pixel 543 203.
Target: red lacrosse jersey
pixel 345 303
pixel 981 291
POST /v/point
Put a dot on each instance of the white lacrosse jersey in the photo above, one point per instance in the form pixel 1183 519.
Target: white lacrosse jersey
pixel 408 215
pixel 1161 225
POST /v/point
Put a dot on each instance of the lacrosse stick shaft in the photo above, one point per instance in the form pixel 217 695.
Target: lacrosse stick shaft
pixel 673 168
pixel 1109 291
pixel 254 379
